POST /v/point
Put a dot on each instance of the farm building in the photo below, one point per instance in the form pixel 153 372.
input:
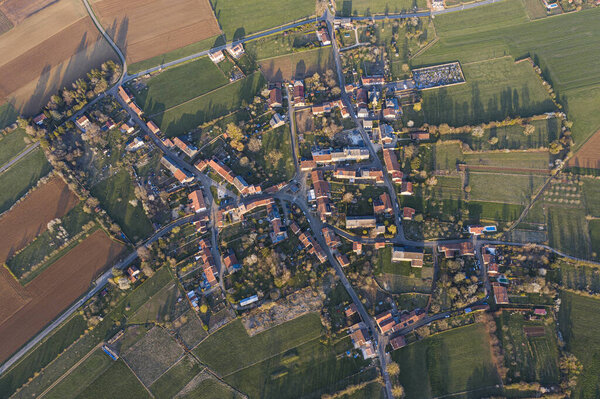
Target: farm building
pixel 197 200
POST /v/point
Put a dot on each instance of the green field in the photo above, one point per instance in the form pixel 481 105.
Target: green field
pixel 42 354
pixel 114 195
pixel 594 226
pixel 157 307
pixel 241 18
pixel 502 212
pixel 178 85
pixel 182 52
pixel 513 159
pixel 185 117
pixel 504 29
pixel 176 378
pixel 348 8
pixel 8 115
pixel 446 155
pixel 298 65
pixel 579 319
pixel 117 381
pixel 494 89
pixel 453 361
pixel 230 348
pixel 45 243
pixel 11 145
pixel 531 359
pixel 21 177
pixel 535 9
pixel 77 380
pixel 281 43
pixel 277 140
pixel 591 195
pixel 568 231
pixel 307 370
pixel 210 388
pixel 510 189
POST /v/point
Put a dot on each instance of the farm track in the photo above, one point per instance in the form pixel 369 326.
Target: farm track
pixel 501 169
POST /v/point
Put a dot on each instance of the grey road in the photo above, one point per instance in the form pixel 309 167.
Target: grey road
pixel 19 156
pixel 98 285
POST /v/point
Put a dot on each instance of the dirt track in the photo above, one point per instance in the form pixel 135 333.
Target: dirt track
pixel 30 217
pixel 147 28
pixel 55 289
pixel 500 169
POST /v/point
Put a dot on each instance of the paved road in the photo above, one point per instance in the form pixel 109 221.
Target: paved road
pixel 98 285
pixel 19 156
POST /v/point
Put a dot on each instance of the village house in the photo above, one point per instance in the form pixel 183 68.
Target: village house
pixel 182 176
pixel 500 294
pixel 398 342
pixel 207 263
pixel 359 222
pixel 360 340
pixel 187 148
pixel 342 259
pixel 307 165
pixel 392 165
pixel 134 144
pixel 408 213
pixel 372 81
pixel 323 37
pixel 298 93
pixel 385 322
pixel 276 121
pixel 415 257
pixel 153 128
pixel 275 99
pixel 362 113
pixel 216 56
pixel 328 155
pixel 406 188
pixel 453 250
pixel 383 204
pixel 419 135
pixel 39 119
pixel 413 317
pixel 124 95
pixel 197 201
pixel 136 109
pixel 230 261
pixel 236 51
pixel 331 239
pixel 125 128
pixel 357 248
pixel 83 123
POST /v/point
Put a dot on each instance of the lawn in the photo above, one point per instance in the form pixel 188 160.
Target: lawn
pixel 494 90
pixel 182 52
pixel 277 140
pixel 453 361
pixel 159 307
pixel 117 381
pixel 42 354
pixel 307 370
pixel 493 187
pixel 230 348
pixel 45 244
pixel 176 378
pixel 21 177
pixel 77 380
pixel 185 117
pixel 115 195
pixel 446 155
pixel 11 145
pixel 179 84
pixel 512 159
pixel 281 43
pixel 568 231
pixel 241 18
pixel 530 359
pixel 591 196
pixel 579 319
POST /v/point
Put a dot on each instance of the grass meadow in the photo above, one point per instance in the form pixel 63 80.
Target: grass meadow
pixel 579 319
pixel 568 231
pixel 210 388
pixel 348 8
pixel 300 64
pixel 115 194
pixel 8 115
pixel 230 348
pixel 179 84
pixel 453 361
pixel 531 359
pixel 505 188
pixel 175 378
pixel 11 145
pixel 513 159
pixel 503 29
pixel 241 18
pixel 591 196
pixel 22 176
pixel 117 381
pixel 184 117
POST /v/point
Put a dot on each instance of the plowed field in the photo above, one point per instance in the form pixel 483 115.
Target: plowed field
pixel 52 291
pixel 147 28
pixel 30 217
pixel 588 156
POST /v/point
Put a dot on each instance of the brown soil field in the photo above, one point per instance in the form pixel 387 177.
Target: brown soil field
pixel 18 10
pixel 588 156
pixel 55 289
pixel 29 218
pixel 297 65
pixel 305 121
pixel 534 331
pixel 147 28
pixel 47 51
pixel 5 24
